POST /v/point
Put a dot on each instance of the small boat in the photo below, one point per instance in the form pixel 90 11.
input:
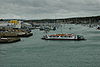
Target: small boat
pixel 9 39
pixel 63 37
pixel 24 34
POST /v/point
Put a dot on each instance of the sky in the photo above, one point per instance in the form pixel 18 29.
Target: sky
pixel 48 9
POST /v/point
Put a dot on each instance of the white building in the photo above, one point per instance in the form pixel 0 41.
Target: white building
pixel 26 25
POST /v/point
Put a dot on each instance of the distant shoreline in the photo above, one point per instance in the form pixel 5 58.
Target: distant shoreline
pixel 75 20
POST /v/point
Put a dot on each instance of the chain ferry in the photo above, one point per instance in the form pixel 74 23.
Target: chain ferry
pixel 63 37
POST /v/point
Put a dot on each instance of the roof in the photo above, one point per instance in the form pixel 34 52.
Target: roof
pixel 62 35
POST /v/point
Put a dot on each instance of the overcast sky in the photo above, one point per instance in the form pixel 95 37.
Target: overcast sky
pixel 43 9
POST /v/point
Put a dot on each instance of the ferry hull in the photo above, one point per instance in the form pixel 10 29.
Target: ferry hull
pixel 61 39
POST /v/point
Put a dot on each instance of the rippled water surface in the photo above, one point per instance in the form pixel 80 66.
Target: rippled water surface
pixel 34 52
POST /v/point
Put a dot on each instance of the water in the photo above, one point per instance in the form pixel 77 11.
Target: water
pixel 34 52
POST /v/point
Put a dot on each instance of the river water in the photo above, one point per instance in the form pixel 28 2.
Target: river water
pixel 34 52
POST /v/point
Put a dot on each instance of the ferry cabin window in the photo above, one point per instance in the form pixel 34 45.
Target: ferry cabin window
pixel 53 36
pixel 69 36
pixel 50 36
pixel 63 36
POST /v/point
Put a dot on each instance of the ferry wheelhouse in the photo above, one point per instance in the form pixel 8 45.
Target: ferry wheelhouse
pixel 63 37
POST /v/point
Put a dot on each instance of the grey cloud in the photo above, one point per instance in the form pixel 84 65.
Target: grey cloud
pixel 48 8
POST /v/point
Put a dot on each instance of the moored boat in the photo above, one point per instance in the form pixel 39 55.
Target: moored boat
pixel 9 39
pixel 24 34
pixel 63 37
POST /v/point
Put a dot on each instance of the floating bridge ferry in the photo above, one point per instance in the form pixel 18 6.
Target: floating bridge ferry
pixel 63 37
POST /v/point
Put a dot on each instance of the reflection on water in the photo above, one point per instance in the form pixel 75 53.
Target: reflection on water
pixel 34 52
